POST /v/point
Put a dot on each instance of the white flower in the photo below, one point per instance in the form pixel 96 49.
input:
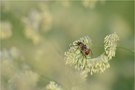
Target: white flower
pixel 25 80
pixel 111 44
pixel 53 86
pixel 92 3
pixel 95 65
pixel 33 35
pixel 35 22
pixel 74 55
pixel 10 53
pixel 32 23
pixel 5 30
pixel 85 63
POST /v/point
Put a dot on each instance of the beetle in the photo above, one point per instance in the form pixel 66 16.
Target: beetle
pixel 84 49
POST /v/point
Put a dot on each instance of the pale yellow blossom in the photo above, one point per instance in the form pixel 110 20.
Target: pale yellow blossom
pixel 25 80
pixel 33 35
pixel 53 86
pixel 91 3
pixel 5 30
pixel 36 22
pixel 74 55
pixel 87 64
pixel 110 44
pixel 10 53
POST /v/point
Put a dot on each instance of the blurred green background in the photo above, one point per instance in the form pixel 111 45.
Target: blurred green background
pixel 35 34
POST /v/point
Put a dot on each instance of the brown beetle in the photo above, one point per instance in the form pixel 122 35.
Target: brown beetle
pixel 84 49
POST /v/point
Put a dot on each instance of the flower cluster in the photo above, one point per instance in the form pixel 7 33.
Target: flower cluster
pixel 110 45
pixel 10 53
pixel 53 86
pixel 5 30
pixel 74 56
pixel 36 21
pixel 91 3
pixel 26 79
pixel 96 65
pixel 86 64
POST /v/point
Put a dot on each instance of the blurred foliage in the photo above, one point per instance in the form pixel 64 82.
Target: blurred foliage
pixel 38 33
